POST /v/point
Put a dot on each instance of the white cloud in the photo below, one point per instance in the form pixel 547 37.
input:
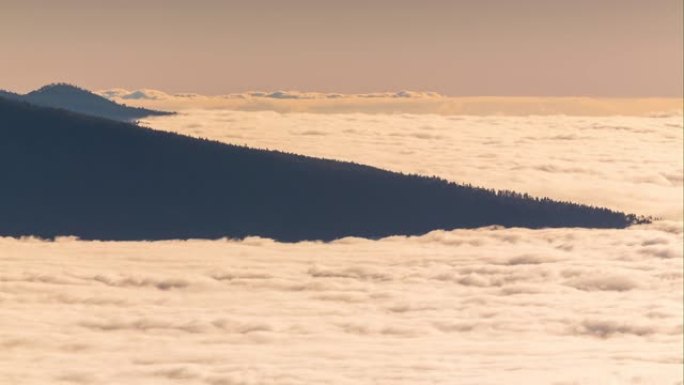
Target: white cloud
pixel 480 306
pixel 633 164
pixel 397 102
pixel 484 306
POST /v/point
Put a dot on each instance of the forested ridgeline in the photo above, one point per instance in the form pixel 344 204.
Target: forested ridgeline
pixel 69 174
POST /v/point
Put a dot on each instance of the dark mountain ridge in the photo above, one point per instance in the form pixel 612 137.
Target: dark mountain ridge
pixel 75 99
pixel 69 174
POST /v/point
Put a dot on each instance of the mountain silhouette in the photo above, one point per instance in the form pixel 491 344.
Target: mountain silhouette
pixel 72 98
pixel 9 95
pixel 68 174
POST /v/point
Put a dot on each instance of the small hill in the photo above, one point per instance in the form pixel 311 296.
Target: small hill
pixel 76 99
pixel 69 174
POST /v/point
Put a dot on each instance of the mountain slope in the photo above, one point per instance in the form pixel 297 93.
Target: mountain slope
pixel 9 95
pixel 76 99
pixel 68 174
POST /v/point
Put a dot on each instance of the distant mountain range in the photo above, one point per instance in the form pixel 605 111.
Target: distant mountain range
pixel 75 99
pixel 68 174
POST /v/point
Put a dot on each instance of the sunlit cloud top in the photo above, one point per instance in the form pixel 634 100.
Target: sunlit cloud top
pixel 398 102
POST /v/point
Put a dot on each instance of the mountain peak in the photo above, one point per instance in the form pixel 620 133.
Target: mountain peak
pixel 61 88
pixel 76 99
pixel 65 91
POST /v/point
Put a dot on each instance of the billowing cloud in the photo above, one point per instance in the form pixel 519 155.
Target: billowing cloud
pixel 399 102
pixel 634 164
pixel 481 306
pixel 485 306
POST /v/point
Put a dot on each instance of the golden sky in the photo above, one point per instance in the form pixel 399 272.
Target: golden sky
pixel 611 48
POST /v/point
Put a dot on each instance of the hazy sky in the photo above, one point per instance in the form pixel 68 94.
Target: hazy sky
pixel 469 47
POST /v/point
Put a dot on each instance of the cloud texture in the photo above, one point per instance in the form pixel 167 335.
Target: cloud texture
pixel 398 102
pixel 488 306
pixel 632 164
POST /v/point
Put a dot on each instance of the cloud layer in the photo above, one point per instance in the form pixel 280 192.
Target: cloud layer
pixel 485 306
pixel 398 102
pixel 634 164
pixel 488 306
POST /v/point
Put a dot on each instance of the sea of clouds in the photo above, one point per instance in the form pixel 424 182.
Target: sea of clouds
pixel 626 163
pixel 397 102
pixel 488 306
pixel 485 306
